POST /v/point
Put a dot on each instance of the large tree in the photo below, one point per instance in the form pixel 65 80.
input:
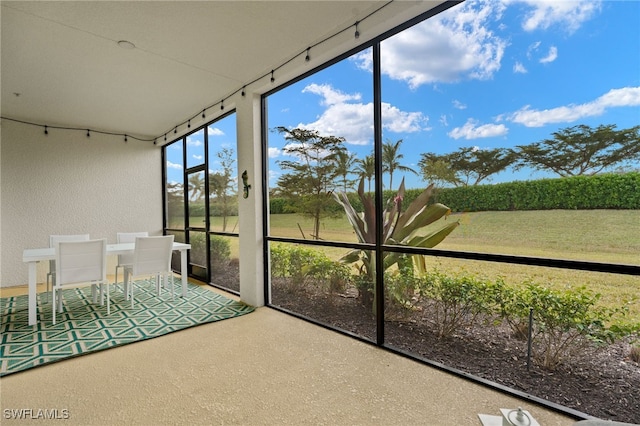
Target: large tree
pixel 312 174
pixel 466 166
pixel 582 150
pixel 221 183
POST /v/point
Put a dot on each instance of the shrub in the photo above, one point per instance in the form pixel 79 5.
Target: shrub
pixel 565 322
pixel 220 252
pixel 401 290
pixel 456 301
pixel 197 254
pixel 303 266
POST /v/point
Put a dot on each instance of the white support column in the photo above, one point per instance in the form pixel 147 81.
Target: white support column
pixel 250 208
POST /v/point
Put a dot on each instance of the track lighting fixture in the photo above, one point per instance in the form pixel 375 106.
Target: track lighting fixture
pixel 307 58
pixel 46 132
pixel 272 78
pixel 357 34
pixel 203 116
pixel 222 104
pixel 88 134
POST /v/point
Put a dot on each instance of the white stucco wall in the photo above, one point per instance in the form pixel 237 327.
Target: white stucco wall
pixel 66 183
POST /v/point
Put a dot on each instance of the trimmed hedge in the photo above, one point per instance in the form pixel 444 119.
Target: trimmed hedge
pixel 606 191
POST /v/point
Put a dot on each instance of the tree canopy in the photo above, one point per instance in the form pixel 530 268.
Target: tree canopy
pixel 312 174
pixel 466 166
pixel 581 150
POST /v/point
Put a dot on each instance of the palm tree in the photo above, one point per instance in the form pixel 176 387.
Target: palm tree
pixel 367 169
pixel 196 187
pixel 345 162
pixel 390 160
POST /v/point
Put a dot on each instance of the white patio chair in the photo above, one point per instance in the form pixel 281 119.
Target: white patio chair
pixel 151 256
pixel 53 240
pixel 80 263
pixel 126 259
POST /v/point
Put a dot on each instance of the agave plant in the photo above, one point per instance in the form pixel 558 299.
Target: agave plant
pixel 399 228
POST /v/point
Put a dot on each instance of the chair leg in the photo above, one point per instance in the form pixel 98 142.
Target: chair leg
pixel 126 277
pixel 115 282
pixel 53 304
pixel 128 284
pixel 58 296
pixel 108 299
pixel 48 276
pixel 170 277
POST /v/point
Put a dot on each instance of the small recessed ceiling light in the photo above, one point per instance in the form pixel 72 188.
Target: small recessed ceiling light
pixel 126 44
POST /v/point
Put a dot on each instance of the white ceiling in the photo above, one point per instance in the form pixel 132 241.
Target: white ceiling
pixel 61 64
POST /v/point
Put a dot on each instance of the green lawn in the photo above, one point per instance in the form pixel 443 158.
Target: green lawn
pixel 611 236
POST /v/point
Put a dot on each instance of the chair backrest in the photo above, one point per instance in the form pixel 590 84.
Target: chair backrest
pixel 81 261
pixel 128 237
pixel 152 255
pixel 55 239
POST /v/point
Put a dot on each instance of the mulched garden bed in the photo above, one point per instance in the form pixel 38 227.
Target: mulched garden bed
pixel 604 383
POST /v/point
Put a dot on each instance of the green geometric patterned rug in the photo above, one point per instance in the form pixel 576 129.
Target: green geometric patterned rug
pixel 84 327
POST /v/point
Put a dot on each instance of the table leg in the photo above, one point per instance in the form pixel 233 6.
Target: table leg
pixel 33 308
pixel 184 271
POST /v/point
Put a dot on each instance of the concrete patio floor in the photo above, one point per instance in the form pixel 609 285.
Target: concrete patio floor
pixel 264 368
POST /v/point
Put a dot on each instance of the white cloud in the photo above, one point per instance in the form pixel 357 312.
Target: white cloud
pixel 193 142
pixel 519 68
pixel 273 175
pixel 458 105
pixel 214 131
pixel 330 96
pixel 471 130
pixel 354 120
pixel 395 120
pixel 533 48
pixel 451 46
pixel 625 97
pixel 569 15
pixel 457 44
pixel 551 56
pixel 197 157
pixel 171 165
pixel 274 152
pixel 444 120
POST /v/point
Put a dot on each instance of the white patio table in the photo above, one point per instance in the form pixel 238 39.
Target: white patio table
pixel 32 256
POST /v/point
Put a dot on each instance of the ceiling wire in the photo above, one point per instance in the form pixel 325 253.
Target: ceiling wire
pixel 241 90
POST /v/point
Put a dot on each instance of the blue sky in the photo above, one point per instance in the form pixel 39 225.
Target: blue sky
pixel 484 75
